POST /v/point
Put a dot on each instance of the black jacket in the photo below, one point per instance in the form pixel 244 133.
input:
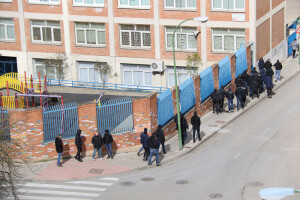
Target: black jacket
pixel 278 66
pixel 195 121
pixel 58 145
pixel 154 142
pixel 261 64
pixel 160 135
pixel 229 94
pixel 267 65
pixel 269 72
pixel 184 124
pixel 145 140
pixel 78 141
pixel 97 141
pixel 238 81
pixel 107 138
pixel 239 93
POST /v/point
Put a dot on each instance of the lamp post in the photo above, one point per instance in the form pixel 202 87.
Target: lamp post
pixel 199 19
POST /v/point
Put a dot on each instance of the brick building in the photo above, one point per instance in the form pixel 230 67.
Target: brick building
pixel 130 35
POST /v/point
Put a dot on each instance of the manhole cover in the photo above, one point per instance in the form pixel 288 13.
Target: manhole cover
pixel 147 179
pixel 255 184
pixel 221 122
pixel 95 171
pixel 215 196
pixel 182 182
pixel 213 125
pixel 126 183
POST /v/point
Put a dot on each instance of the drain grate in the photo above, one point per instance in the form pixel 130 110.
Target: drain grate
pixel 96 171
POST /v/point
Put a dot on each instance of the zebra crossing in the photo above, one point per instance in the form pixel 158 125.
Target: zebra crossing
pixel 68 190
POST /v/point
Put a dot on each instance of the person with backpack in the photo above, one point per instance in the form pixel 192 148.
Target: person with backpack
pixel 196 122
pixel 108 140
pixel 146 143
pixel 278 68
pixel 230 97
pixel 154 145
pixel 59 149
pixel 97 142
pixel 78 143
pixel 161 138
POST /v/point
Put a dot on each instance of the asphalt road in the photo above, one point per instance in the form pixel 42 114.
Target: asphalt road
pixel 260 149
pixel 293 10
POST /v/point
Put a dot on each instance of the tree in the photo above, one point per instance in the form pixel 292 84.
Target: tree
pixel 105 71
pixel 193 62
pixel 60 63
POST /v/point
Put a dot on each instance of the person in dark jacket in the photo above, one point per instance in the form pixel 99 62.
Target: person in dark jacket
pixel 78 143
pixel 222 93
pixel 161 138
pixel 196 122
pixel 141 149
pixel 218 101
pixel 108 140
pixel 261 83
pixel 176 121
pixel 146 143
pixel 97 142
pixel 154 145
pixel 239 97
pixel 244 93
pixel 238 81
pixel 269 72
pixel 254 83
pixel 213 97
pixel 230 97
pixel 59 149
pixel 268 64
pixel 261 63
pixel 269 85
pixel 184 127
pixel 278 68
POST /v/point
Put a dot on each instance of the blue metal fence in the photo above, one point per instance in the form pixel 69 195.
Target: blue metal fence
pixel 4 125
pixel 115 115
pixel 224 72
pixel 58 120
pixel 165 110
pixel 187 97
pixel 291 38
pixel 206 83
pixel 240 61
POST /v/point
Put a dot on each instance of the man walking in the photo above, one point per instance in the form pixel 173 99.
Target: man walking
pixel 108 140
pixel 278 68
pixel 59 149
pixel 78 143
pixel 97 142
pixel 154 144
pixel 161 138
pixel 196 122
pixel 294 46
pixel 230 97
pixel 146 143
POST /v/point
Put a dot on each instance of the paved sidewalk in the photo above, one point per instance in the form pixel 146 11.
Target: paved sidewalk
pixel 211 124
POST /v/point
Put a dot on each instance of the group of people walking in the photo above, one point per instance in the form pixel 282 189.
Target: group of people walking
pixel 98 140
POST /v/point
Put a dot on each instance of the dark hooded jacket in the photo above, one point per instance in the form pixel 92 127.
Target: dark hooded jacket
pixel 238 81
pixel 78 141
pixel 154 143
pixel 213 95
pixel 195 121
pixel 145 139
pixel 269 72
pixel 278 65
pixel 58 145
pixel 184 124
pixel 97 141
pixel 239 93
pixel 268 81
pixel 267 64
pixel 229 94
pixel 261 64
pixel 160 134
pixel 107 138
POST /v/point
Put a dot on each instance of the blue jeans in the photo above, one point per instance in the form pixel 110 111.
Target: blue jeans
pixel 58 158
pixel 230 104
pixel 99 152
pixel 141 149
pixel 277 74
pixel 239 101
pixel 194 133
pixel 153 151
pixel 109 150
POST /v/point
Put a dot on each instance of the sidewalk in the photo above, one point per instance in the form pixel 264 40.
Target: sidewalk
pixel 211 124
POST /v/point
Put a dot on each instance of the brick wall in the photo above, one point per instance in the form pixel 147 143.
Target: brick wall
pixel 215 69
pixel 262 8
pixel 275 3
pixel 233 67
pixel 9 6
pixel 40 8
pixel 278 28
pixel 263 39
pixel 87 11
pixel 248 53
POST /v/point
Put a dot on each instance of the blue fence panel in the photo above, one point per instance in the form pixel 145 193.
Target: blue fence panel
pixel 224 72
pixel 58 120
pixel 4 125
pixel 165 110
pixel 206 83
pixel 291 38
pixel 115 115
pixel 240 61
pixel 187 97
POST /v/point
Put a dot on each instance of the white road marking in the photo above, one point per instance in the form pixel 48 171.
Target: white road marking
pixel 64 187
pixel 91 183
pixel 235 157
pixel 262 134
pixel 109 179
pixel 55 192
pixel 44 198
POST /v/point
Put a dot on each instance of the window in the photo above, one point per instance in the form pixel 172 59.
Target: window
pixel 134 3
pixel 56 2
pixel 90 34
pixel 181 4
pixel 137 75
pixel 7 29
pixel 45 31
pixel 88 73
pixel 51 72
pixel 228 40
pixel 184 38
pixel 135 36
pixel 228 4
pixel 182 75
pixel 93 3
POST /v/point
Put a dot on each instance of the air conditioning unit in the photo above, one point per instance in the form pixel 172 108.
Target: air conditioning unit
pixel 157 66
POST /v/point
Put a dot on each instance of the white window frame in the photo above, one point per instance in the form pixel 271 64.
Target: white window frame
pixel 226 9
pixel 89 5
pixel 142 36
pixel 176 8
pixel 175 40
pixel 139 68
pixel 41 27
pixel 8 1
pixel 6 25
pixel 40 62
pixel 88 69
pixel 180 70
pixel 133 7
pixel 42 2
pixel 223 38
pixel 85 30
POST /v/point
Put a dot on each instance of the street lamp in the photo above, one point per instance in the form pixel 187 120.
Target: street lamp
pixel 199 19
